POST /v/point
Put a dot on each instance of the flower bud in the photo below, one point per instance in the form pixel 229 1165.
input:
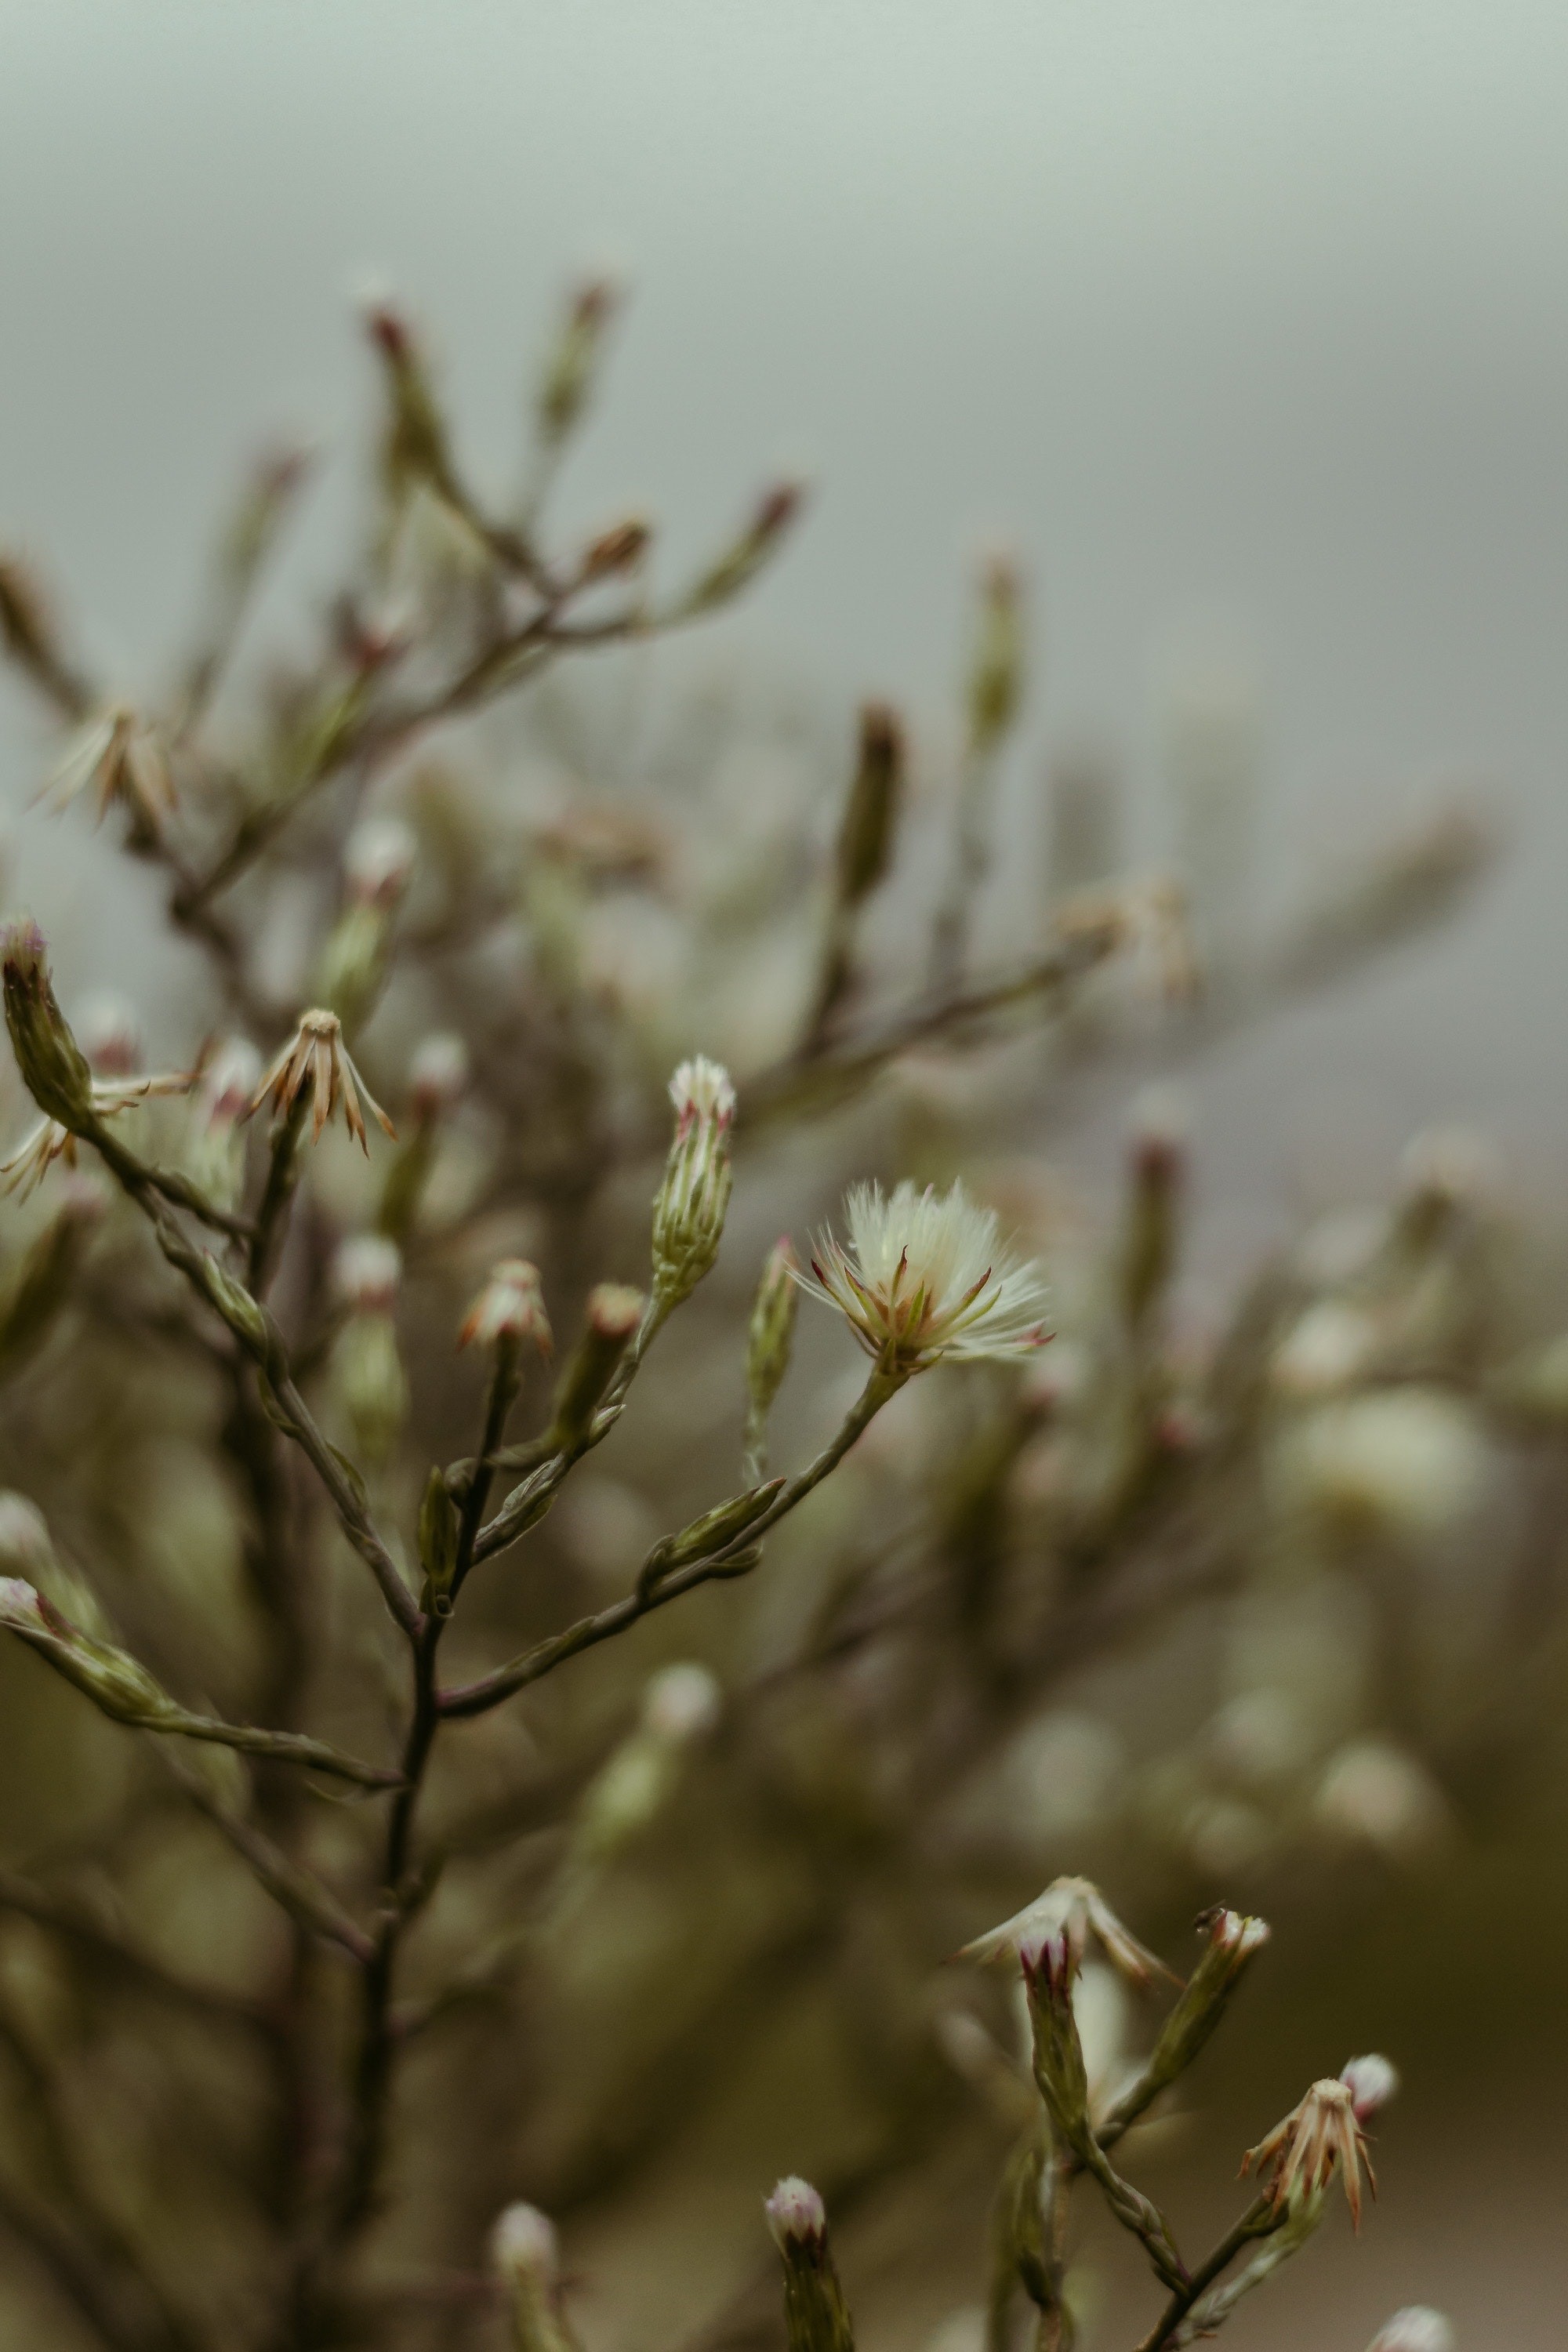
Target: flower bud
pixel 872 813
pixel 228 1082
pixel 20 1610
pixel 367 1273
pixel 1158 1157
pixel 509 1309
pixel 745 556
pixel 769 1339
pixel 52 1064
pixel 995 678
pixel 118 1684
pixel 1371 2082
pixel 689 1207
pixel 438 1076
pixel 232 1301
pixel 378 861
pixel 569 377
pixel 712 1532
pixel 1049 1967
pixel 439 1527
pixel 614 1316
pixel 816 2316
pixel 371 1384
pixel 682 1703
pixel 26 1552
pixel 110 1035
pixel 1416 2328
pixel 1232 1940
pixel 415 449
pixel 525 2256
pixel 619 548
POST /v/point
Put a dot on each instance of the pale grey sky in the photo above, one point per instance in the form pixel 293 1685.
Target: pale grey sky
pixel 1246 315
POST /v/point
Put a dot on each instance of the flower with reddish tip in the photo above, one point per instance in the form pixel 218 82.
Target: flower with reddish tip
pixel 20 1609
pixel 1074 1910
pixel 117 756
pixel 689 1207
pixel 1371 2082
pixel 511 1306
pixel 924 1277
pixel 795 2213
pixel 315 1066
pixel 1300 2155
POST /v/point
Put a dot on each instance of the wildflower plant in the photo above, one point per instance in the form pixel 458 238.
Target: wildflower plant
pixel 330 1460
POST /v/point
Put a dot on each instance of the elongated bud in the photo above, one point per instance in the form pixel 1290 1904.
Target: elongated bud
pixel 525 2256
pixel 368 1374
pixel 771 1334
pixel 620 548
pixel 815 2315
pixel 29 636
pixel 872 813
pixel 615 1315
pixel 1232 1942
pixel 745 558
pixel 1371 2082
pixel 53 1066
pixel 689 1207
pixel 44 1280
pixel 439 1527
pixel 1158 1156
pixel 680 1706
pixel 725 1524
pixel 569 377
pixel 509 1310
pixel 416 446
pixel 117 1684
pixel 996 675
pixel 1416 2328
pixel 378 861
pixel 230 1299
pixel 1049 1970
pixel 228 1082
pixel 274 481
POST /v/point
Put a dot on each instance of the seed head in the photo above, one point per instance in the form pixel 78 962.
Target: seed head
pixel 316 1063
pixel 922 1276
pixel 1297 2158
pixel 511 1306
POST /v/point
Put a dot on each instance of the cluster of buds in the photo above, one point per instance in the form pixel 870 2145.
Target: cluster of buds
pixel 680 1706
pixel 525 2256
pixel 367 1364
pixel 313 1074
pixel 816 2315
pixel 689 1207
pixel 378 866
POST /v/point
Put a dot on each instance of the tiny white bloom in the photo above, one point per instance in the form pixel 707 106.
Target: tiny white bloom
pixel 1371 2082
pixel 922 1275
pixel 682 1703
pixel 1416 2328
pixel 524 2246
pixel 1073 1909
pixel 795 2214
pixel 366 1271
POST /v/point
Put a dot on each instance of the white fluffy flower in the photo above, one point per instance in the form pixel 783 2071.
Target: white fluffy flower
pixel 922 1275
pixel 1416 2328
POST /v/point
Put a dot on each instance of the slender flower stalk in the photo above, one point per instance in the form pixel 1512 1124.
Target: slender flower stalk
pixel 922 1277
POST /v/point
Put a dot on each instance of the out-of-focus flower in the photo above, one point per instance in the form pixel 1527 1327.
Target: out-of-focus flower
pixel 1330 1347
pixel 525 2256
pixel 20 1610
pixel 26 1552
pixel 1299 2157
pixel 437 1075
pixel 1371 2082
pixel 228 1082
pixel 367 1272
pixel 110 1035
pixel 118 756
pixel 316 1063
pixel 922 1276
pixel 1401 1462
pixel 1416 2328
pixel 690 1208
pixel 1076 1910
pixel 511 1306
pixel 1377 1795
pixel 378 861
pixel 682 1703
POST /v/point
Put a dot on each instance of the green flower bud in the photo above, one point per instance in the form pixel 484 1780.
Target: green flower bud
pixel 1233 1941
pixel 872 813
pixel 771 1335
pixel 614 1316
pixel 439 1527
pixel 52 1064
pixel 689 1207
pixel 815 2315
